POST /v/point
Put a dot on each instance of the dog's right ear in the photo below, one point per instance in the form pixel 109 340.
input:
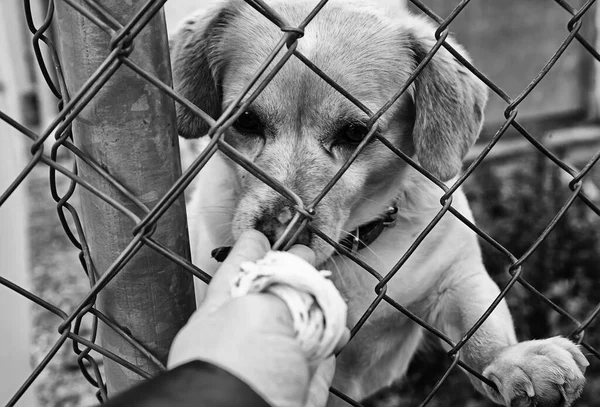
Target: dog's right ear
pixel 449 102
pixel 197 65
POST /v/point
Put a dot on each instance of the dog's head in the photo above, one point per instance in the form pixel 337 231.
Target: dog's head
pixel 300 130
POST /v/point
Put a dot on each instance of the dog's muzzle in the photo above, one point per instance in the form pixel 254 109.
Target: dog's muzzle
pixel 273 223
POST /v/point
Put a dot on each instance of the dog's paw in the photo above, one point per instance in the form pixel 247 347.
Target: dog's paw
pixel 541 373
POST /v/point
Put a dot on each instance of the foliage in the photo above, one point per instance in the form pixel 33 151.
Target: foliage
pixel 514 205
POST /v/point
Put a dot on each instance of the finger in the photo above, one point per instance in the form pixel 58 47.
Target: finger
pixel 343 341
pixel 250 246
pixel 318 389
pixel 304 252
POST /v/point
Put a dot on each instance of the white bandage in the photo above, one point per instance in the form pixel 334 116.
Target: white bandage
pixel 317 308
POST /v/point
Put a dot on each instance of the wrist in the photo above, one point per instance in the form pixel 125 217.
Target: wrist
pixel 252 337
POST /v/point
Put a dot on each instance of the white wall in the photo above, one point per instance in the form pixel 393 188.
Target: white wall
pixel 14 309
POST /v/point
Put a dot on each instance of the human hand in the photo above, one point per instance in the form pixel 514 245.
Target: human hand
pixel 252 336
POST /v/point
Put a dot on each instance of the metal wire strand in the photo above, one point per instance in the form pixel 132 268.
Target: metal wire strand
pixel 123 35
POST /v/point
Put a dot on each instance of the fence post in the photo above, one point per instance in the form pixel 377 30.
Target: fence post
pixel 129 129
pixel 594 89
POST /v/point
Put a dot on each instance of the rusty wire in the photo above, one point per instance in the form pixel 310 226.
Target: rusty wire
pixel 123 38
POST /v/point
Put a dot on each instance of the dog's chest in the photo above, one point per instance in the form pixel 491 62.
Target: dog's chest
pixel 409 284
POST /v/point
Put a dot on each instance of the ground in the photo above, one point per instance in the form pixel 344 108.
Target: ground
pixel 58 278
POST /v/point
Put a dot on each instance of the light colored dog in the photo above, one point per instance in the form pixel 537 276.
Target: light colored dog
pixel 300 131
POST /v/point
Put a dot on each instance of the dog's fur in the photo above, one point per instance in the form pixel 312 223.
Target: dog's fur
pixel 301 143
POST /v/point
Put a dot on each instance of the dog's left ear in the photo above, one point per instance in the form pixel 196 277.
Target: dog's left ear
pixel 449 102
pixel 197 62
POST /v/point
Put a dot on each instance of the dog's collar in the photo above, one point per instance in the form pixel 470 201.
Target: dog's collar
pixel 366 234
pixel 358 239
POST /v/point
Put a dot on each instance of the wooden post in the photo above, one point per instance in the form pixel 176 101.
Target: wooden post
pixel 594 89
pixel 129 128
pixel 14 255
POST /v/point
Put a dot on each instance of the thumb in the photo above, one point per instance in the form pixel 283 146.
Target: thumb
pixel 250 246
pixel 305 253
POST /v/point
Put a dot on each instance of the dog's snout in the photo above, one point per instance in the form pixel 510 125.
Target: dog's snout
pixel 273 224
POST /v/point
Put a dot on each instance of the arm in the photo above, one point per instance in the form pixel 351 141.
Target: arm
pixel 463 301
pixel 544 373
pixel 197 383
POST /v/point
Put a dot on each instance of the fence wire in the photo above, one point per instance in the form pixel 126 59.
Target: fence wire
pixel 123 39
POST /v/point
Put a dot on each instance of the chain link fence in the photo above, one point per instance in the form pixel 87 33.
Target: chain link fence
pixel 134 353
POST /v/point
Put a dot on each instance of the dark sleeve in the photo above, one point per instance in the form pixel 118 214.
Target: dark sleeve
pixel 196 383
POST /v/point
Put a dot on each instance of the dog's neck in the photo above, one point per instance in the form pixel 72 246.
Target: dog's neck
pixel 367 233
pixel 419 198
pixel 412 207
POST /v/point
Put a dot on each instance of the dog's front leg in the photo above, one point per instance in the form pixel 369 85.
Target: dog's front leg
pixel 542 373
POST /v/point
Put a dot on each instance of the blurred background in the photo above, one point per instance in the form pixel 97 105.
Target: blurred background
pixel 514 194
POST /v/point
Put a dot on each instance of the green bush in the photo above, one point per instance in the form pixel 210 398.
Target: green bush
pixel 514 205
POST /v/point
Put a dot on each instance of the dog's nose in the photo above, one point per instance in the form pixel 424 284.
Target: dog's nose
pixel 274 222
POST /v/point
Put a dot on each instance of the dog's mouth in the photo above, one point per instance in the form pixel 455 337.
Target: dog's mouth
pixel 356 240
pixel 220 253
pixel 281 234
pixel 280 240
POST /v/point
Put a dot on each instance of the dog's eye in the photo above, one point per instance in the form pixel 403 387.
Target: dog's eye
pixel 353 134
pixel 248 123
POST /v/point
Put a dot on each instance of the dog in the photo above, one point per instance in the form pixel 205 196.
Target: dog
pixel 300 131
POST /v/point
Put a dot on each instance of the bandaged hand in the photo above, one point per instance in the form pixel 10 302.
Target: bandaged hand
pixel 260 337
